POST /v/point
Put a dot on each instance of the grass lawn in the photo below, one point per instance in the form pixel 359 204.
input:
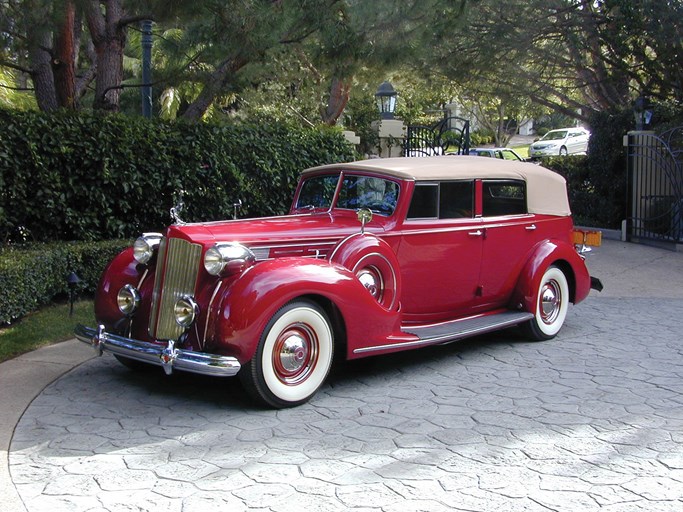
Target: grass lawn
pixel 44 327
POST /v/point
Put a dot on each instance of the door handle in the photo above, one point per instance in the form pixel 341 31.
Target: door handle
pixel 478 232
pixel 531 228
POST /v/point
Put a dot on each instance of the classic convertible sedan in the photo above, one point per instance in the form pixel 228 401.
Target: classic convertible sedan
pixel 374 257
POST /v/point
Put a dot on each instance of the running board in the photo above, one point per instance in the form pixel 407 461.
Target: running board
pixel 453 331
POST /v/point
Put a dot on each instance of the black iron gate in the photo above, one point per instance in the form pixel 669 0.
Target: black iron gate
pixel 450 136
pixel 655 187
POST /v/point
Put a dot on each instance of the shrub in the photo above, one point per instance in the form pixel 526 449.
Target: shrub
pixel 88 176
pixel 35 274
pixel 597 182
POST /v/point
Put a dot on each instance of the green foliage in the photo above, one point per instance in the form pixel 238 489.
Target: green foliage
pixel 597 182
pixel 88 176
pixel 33 275
pixel 481 138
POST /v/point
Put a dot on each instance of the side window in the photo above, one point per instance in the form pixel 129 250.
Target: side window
pixel 425 202
pixel 456 199
pixel 446 200
pixel 503 198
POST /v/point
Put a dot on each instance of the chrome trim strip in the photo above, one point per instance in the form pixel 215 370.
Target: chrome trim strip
pixel 166 356
pixel 202 342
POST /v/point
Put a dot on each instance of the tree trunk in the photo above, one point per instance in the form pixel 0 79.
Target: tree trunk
pixel 216 83
pixel 64 63
pixel 109 38
pixel 336 103
pixel 41 73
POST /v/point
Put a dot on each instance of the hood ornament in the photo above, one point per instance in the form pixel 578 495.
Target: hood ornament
pixel 175 211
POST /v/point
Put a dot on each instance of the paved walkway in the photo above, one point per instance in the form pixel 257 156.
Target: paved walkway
pixel 592 420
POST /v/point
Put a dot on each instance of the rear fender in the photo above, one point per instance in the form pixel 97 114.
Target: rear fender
pixel 247 304
pixel 547 253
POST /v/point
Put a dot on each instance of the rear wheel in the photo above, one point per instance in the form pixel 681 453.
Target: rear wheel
pixel 293 357
pixel 550 310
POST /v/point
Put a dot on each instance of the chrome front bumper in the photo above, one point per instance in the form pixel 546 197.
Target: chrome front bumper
pixel 168 357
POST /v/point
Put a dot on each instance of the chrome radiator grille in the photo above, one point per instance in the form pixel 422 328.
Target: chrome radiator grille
pixel 177 269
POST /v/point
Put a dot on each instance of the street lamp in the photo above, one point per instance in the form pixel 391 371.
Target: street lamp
pixel 386 100
pixel 642 112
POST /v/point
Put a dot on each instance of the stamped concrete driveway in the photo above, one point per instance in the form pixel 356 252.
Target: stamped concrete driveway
pixel 592 420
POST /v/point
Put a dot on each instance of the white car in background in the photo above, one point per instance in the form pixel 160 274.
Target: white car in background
pixel 562 142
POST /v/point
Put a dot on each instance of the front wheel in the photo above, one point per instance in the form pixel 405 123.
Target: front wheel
pixel 563 151
pixel 552 302
pixel 293 357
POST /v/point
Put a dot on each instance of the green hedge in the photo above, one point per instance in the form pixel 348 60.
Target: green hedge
pixel 33 275
pixel 87 176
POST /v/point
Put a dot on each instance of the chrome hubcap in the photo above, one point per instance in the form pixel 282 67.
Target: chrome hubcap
pixel 295 354
pixel 550 302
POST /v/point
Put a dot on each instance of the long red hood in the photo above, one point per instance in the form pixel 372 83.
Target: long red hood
pixel 278 230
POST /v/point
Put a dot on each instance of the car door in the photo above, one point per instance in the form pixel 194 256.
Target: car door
pixel 509 235
pixel 440 252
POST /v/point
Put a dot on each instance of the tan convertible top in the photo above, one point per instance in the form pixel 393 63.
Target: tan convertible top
pixel 546 190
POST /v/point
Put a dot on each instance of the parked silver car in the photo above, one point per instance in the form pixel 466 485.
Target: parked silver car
pixel 565 141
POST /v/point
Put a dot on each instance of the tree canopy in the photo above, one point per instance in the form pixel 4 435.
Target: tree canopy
pixel 503 59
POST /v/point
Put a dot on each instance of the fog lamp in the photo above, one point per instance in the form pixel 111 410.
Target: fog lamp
pixel 185 311
pixel 128 299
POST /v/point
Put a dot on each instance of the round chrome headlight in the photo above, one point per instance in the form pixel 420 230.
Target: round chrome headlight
pixel 230 258
pixel 145 247
pixel 185 311
pixel 128 299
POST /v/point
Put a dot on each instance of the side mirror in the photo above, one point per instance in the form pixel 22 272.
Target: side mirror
pixel 364 216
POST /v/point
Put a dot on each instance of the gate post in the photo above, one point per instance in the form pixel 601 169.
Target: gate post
pixel 392 133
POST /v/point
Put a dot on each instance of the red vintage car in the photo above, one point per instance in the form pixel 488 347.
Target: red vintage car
pixel 374 257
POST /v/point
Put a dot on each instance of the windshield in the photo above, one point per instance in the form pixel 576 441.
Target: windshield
pixel 377 194
pixel 317 192
pixel 555 135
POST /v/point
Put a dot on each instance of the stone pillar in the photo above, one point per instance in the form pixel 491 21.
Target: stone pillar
pixel 392 133
pixel 351 137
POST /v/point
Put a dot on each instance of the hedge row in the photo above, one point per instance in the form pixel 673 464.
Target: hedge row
pixel 34 275
pixel 87 176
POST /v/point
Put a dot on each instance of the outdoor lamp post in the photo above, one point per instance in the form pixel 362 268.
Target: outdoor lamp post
pixel 146 89
pixel 386 100
pixel 72 280
pixel 642 112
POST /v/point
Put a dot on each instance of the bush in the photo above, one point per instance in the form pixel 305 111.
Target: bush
pixel 35 274
pixel 88 176
pixel 481 138
pixel 597 182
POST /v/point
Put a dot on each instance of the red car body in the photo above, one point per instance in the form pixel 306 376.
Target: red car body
pixel 443 248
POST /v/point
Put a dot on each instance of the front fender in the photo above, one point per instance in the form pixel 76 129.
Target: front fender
pixel 247 303
pixel 122 270
pixel 547 253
